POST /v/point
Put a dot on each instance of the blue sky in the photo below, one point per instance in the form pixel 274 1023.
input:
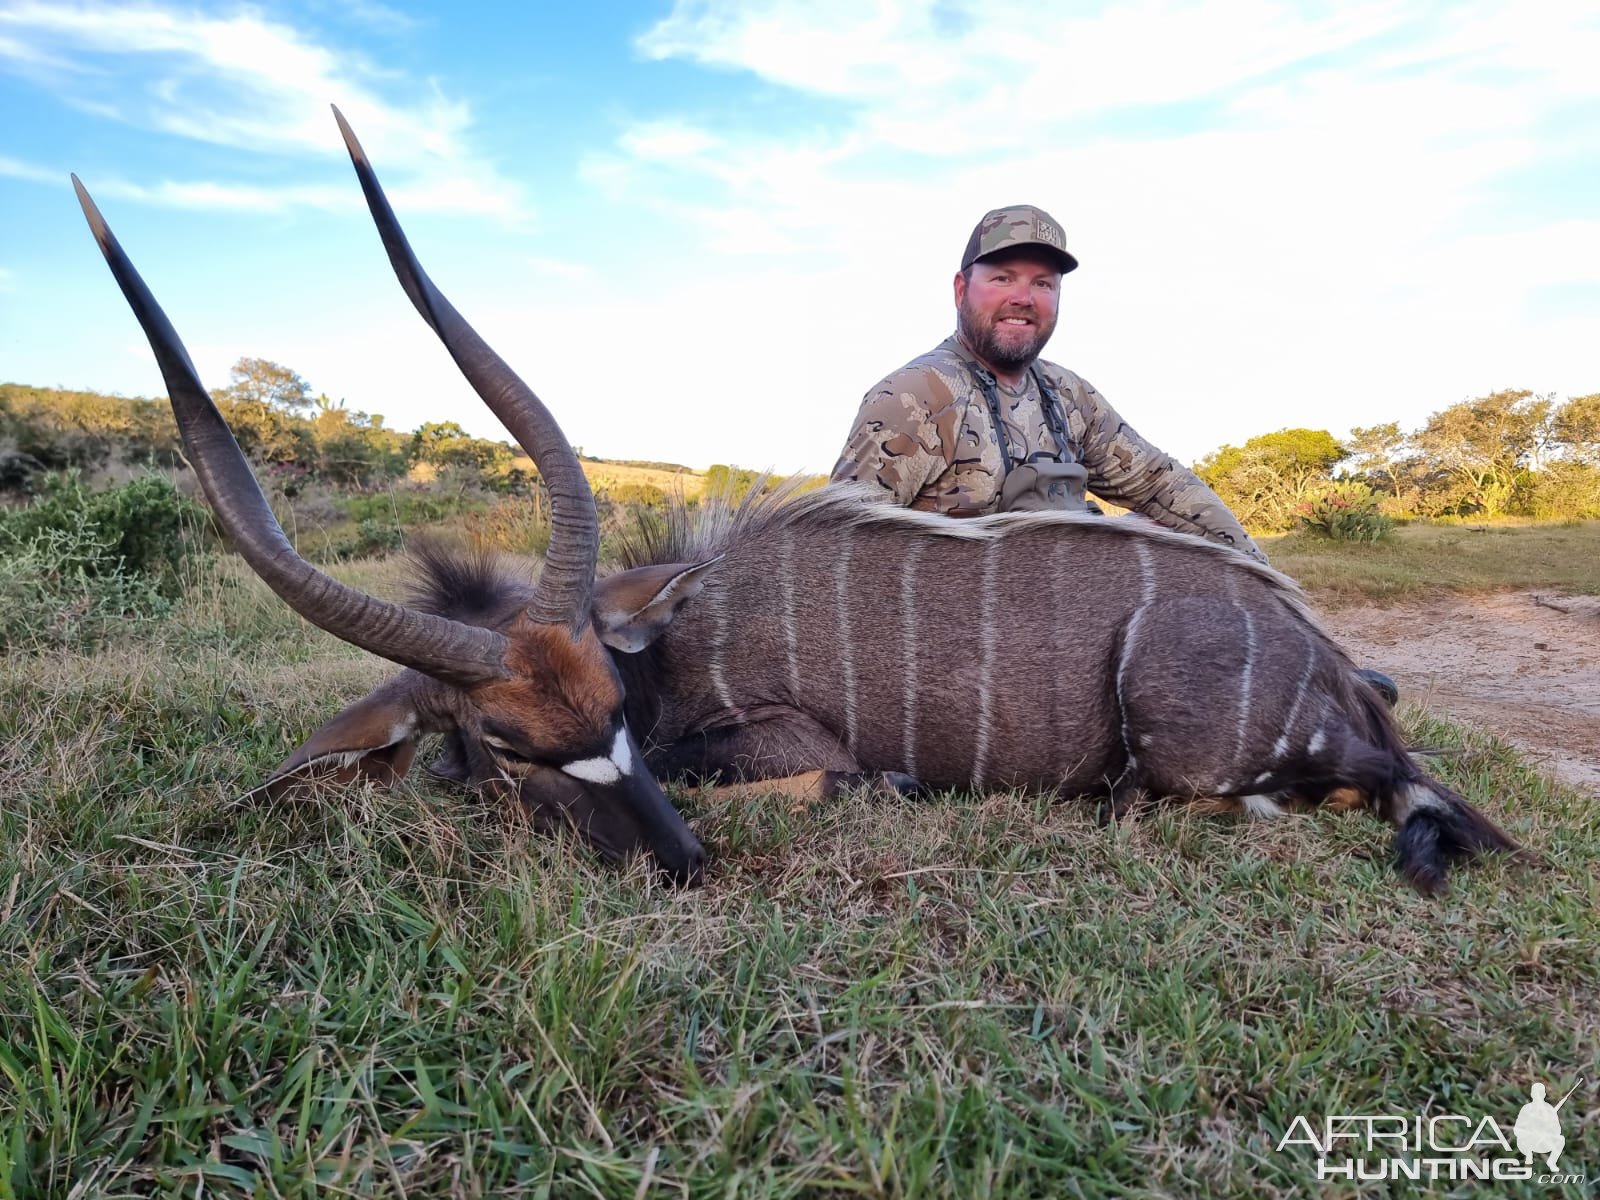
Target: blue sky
pixel 701 230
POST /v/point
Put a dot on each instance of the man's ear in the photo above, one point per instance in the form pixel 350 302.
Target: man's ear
pixel 631 608
pixel 960 286
pixel 375 738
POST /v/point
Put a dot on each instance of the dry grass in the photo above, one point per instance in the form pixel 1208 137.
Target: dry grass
pixel 1463 558
pixel 610 476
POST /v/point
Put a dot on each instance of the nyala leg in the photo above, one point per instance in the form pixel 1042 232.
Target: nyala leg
pixel 1125 797
pixel 884 783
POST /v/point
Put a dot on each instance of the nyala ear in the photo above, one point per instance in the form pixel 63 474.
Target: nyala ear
pixel 375 738
pixel 631 608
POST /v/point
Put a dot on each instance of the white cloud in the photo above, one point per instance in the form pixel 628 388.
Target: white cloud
pixel 15 168
pixel 666 141
pixel 950 77
pixel 419 196
pixel 246 81
pixel 1284 217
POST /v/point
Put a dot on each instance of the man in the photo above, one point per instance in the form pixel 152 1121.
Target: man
pixel 981 424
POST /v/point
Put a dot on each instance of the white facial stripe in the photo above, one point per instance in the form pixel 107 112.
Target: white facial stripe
pixel 605 770
pixel 620 754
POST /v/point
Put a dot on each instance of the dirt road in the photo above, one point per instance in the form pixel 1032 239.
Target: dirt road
pixel 1523 665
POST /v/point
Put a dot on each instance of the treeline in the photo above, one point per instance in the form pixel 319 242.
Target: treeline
pixel 1506 453
pixel 279 424
pixel 1510 453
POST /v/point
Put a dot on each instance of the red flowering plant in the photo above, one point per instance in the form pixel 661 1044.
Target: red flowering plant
pixel 1346 512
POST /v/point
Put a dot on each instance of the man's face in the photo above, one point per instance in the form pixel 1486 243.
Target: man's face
pixel 1006 311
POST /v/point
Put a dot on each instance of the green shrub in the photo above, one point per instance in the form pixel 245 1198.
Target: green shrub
pixel 629 495
pixel 138 528
pixel 75 563
pixel 402 507
pixel 1347 512
pixel 1565 491
pixel 377 538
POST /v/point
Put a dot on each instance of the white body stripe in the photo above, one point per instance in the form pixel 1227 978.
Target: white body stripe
pixel 1128 638
pixel 847 660
pixel 712 598
pixel 617 765
pixel 791 632
pixel 1246 676
pixel 1147 577
pixel 908 654
pixel 1281 746
pixel 987 635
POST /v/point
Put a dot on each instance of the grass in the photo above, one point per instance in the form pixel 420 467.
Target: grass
pixel 610 476
pixel 408 993
pixel 1463 558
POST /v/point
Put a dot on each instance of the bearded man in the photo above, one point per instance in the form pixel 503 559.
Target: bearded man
pixel 982 424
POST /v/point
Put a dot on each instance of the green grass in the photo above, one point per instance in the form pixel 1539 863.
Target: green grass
pixel 409 993
pixel 1462 558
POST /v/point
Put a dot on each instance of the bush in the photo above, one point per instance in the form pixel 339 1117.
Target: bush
pixel 375 539
pixel 628 495
pixel 521 525
pixel 1345 512
pixel 406 507
pixel 75 562
pixel 137 528
pixel 1564 491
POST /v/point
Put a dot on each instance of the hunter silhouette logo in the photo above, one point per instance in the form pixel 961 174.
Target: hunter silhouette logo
pixel 1538 1126
pixel 1438 1146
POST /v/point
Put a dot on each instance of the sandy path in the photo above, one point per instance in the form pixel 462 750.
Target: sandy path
pixel 1505 663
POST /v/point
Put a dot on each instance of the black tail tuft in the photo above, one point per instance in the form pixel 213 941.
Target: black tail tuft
pixel 1438 834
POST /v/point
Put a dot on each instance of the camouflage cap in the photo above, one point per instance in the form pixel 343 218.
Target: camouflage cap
pixel 1019 225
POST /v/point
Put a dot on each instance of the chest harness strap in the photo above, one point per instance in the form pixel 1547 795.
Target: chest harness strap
pixel 1049 402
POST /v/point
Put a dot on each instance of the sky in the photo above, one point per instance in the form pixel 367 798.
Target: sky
pixel 701 231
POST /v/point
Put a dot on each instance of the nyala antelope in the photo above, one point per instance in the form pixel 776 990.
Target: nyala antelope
pixel 829 633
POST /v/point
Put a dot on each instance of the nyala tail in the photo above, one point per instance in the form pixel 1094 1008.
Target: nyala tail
pixel 1438 828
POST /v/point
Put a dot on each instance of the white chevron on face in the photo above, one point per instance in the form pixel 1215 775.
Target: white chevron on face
pixel 617 765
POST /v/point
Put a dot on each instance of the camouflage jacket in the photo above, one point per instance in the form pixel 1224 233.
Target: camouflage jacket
pixel 926 436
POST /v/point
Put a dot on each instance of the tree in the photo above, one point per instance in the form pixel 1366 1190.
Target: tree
pixel 1264 480
pixel 353 448
pixel 1575 428
pixel 1376 452
pixel 257 381
pixel 446 446
pixel 1477 450
pixel 262 404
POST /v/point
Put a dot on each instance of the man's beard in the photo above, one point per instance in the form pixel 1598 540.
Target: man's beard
pixel 1011 354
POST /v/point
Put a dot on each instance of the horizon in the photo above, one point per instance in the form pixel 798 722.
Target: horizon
pixel 702 231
